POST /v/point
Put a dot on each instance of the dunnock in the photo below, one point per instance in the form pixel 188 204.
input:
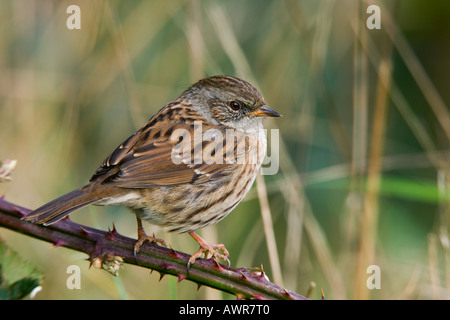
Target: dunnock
pixel 188 167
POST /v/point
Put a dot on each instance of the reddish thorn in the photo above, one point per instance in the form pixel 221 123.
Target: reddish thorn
pixel 243 275
pixel 258 297
pixel 262 275
pixel 58 244
pixel 239 296
pixel 114 230
pixel 286 293
pixel 84 231
pixel 198 286
pixel 173 253
pixel 161 275
pixel 181 277
pixel 323 295
pixel 111 234
pixel 216 266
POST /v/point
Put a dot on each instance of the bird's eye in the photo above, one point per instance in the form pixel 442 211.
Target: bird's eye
pixel 235 105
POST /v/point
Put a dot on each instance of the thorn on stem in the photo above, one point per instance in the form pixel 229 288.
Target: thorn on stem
pixel 217 265
pixel 84 231
pixel 181 277
pixel 262 274
pixel 58 243
pixel 286 293
pixel 114 230
pixel 173 253
pixel 112 234
pixel 243 275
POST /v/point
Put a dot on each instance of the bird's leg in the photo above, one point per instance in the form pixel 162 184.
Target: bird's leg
pixel 142 237
pixel 208 248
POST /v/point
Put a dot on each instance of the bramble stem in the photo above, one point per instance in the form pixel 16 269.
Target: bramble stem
pixel 104 247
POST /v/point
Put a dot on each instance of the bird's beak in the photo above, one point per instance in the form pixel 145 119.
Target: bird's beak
pixel 264 111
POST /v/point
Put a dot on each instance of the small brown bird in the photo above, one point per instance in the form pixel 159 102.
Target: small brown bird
pixel 187 168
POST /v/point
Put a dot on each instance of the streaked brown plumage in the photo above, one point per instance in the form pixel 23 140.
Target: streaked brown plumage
pixel 181 192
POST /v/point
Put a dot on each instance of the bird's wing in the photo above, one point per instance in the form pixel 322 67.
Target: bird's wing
pixel 163 154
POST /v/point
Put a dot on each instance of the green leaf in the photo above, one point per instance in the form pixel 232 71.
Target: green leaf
pixel 18 278
pixel 409 189
pixel 402 188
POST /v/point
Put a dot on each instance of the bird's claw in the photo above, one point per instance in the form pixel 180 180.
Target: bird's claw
pixel 142 237
pixel 206 249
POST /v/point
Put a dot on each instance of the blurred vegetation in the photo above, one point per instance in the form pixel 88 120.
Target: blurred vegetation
pixel 364 173
pixel 18 278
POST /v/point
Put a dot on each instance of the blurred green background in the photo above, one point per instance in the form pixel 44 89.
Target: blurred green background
pixel 364 173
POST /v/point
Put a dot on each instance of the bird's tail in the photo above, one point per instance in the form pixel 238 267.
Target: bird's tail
pixel 59 208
